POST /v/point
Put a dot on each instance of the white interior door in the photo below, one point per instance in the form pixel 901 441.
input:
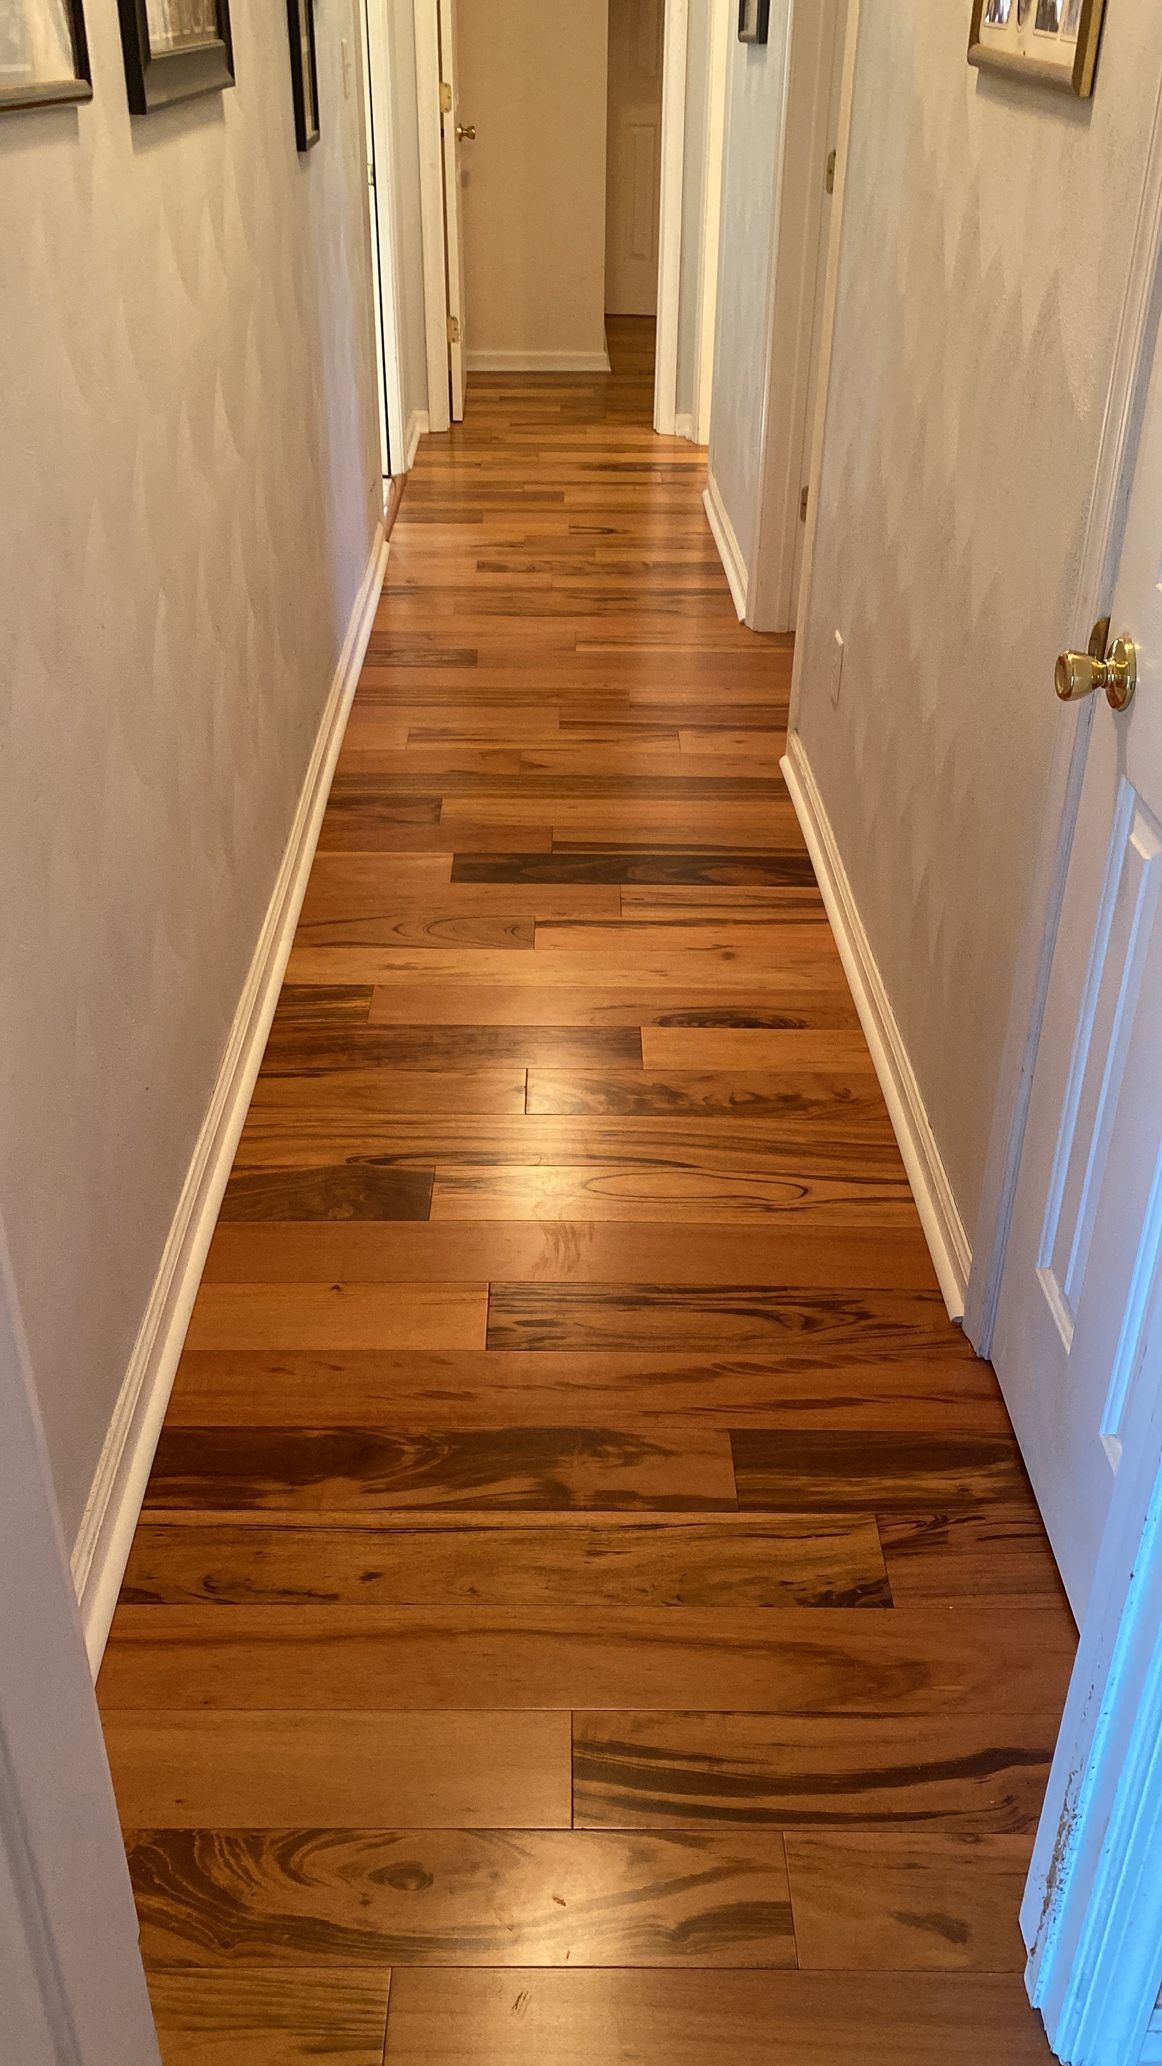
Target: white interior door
pixel 633 193
pixel 455 132
pixel 377 107
pixel 1087 1229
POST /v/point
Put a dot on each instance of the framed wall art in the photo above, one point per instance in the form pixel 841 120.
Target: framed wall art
pixel 175 49
pixel 44 54
pixel 304 72
pixel 1052 41
pixel 754 20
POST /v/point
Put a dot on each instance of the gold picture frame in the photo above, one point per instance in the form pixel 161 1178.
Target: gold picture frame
pixel 1052 42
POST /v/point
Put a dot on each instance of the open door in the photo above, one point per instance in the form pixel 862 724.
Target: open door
pixel 1084 1255
pixel 455 134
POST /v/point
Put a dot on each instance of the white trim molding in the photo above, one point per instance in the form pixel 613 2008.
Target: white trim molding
pixel 106 1532
pixel 536 362
pixel 431 200
pixel 674 77
pixel 729 549
pixel 417 428
pixel 939 1217
pixel 719 30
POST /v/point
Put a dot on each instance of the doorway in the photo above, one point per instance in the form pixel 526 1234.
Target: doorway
pixel 633 157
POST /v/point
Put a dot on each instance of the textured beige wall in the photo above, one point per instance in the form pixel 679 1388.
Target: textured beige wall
pixel 190 466
pixel 533 78
pixel 985 246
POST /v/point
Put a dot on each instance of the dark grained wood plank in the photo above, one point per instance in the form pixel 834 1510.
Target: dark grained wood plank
pixel 303 1468
pixel 343 1191
pixel 443 1048
pixel 967 1774
pixel 662 1560
pixel 836 1472
pixel 265 2018
pixel 837 1660
pixel 697 1004
pixel 908 1901
pixel 996 1552
pixel 643 2018
pixel 302 1896
pixel 733 1319
pixel 577 1388
pixel 891 1259
pixel 755 1047
pixel 788 869
pixel 854 1110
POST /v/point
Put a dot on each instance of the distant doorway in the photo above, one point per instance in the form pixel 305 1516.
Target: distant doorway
pixel 633 157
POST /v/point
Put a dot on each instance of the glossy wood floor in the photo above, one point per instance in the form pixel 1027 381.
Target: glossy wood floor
pixel 589 1610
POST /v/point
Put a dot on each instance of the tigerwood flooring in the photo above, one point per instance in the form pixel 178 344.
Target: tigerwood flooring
pixel 588 1608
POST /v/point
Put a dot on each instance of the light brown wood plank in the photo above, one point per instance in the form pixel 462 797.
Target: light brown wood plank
pixel 957 1773
pixel 343 1099
pixel 339 1316
pixel 652 967
pixel 734 1320
pixel 266 2018
pixel 197 1769
pixel 755 1047
pixel 371 1896
pixel 644 2018
pixel 699 1004
pixel 850 1110
pixel 906 1902
pixel 534 1560
pixel 996 1552
pixel 816 1661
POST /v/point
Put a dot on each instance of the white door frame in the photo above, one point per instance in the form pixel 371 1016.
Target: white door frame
pixel 1095 585
pixel 675 94
pixel 814 50
pixel 431 200
pixel 384 226
pixel 71 1978
pixel 1092 1915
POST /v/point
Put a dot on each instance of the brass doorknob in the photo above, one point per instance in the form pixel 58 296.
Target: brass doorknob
pixel 466 134
pixel 1079 674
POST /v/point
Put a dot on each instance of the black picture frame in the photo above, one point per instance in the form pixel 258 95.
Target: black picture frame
pixel 754 20
pixel 156 79
pixel 63 92
pixel 300 16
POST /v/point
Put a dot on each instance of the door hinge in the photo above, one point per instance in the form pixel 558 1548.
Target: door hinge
pixel 831 155
pixel 453 329
pixel 804 499
pixel 445 97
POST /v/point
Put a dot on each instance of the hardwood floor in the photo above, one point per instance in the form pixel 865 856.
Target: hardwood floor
pixel 588 1608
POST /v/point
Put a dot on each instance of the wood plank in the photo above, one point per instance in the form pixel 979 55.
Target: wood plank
pixel 578 1387
pixel 321 1897
pixel 780 948
pixel 789 867
pixel 343 1098
pixel 686 1190
pixel 756 1048
pixel 502 1003
pixel 907 1902
pixel 571 1252
pixel 734 1319
pixel 266 2018
pixel 305 1469
pixel 815 1661
pixel 253 1770
pixel 853 1109
pixel 832 1471
pixel 954 1773
pixel 653 967
pixel 327 1191
pixel 443 1048
pixel 663 1560
pixel 338 1316
pixel 647 2018
pixel 996 1552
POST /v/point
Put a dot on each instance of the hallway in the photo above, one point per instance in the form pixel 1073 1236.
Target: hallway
pixel 588 1598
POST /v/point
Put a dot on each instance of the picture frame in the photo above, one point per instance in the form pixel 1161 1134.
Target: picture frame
pixel 754 20
pixel 1049 42
pixel 44 54
pixel 175 50
pixel 304 72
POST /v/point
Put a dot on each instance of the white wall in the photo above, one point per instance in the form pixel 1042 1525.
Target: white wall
pixel 985 247
pixel 533 78
pixel 754 131
pixel 191 483
pixel 409 256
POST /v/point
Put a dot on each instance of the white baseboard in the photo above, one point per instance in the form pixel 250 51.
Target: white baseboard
pixel 536 362
pixel 106 1531
pixel 729 550
pixel 1152 2054
pixel 942 1224
pixel 418 426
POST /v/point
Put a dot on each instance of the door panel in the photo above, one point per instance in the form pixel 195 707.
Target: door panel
pixel 1086 1239
pixel 453 226
pixel 634 157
